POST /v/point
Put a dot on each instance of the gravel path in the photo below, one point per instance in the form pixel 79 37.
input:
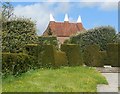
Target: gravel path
pixel 112 79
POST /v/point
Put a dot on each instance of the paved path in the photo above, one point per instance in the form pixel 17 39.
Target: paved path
pixel 112 79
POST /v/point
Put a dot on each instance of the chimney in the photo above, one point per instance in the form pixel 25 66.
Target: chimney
pixel 79 20
pixel 66 18
pixel 52 18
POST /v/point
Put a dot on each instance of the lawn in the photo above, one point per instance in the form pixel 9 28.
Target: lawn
pixel 65 79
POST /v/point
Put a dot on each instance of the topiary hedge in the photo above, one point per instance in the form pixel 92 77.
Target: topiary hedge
pixel 113 55
pixel 92 56
pixel 60 59
pixel 15 63
pixel 104 58
pixel 73 53
pixel 53 58
pixel 35 50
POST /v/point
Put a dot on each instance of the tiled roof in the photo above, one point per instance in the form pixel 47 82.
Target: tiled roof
pixel 63 29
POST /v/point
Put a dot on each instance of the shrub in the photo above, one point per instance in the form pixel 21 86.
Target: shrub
pixel 32 49
pixel 73 54
pixel 35 50
pixel 48 56
pixel 112 52
pixel 92 56
pixel 60 59
pixel 104 58
pixel 15 63
pixel 48 40
pixel 53 58
pixel 16 33
pixel 100 35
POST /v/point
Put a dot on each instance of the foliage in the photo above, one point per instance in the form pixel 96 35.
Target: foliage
pixel 100 35
pixel 104 58
pixel 92 56
pixel 113 54
pixel 53 58
pixel 117 38
pixel 73 53
pixel 65 79
pixel 15 63
pixel 48 40
pixel 16 33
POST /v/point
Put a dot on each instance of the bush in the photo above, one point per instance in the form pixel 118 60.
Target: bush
pixel 112 52
pixel 16 33
pixel 99 35
pixel 52 58
pixel 92 56
pixel 35 50
pixel 32 49
pixel 104 58
pixel 60 59
pixel 48 40
pixel 15 63
pixel 73 53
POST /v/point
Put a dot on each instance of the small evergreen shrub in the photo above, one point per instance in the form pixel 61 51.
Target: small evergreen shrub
pixel 15 63
pixel 113 55
pixel 92 56
pixel 48 56
pixel 53 58
pixel 104 58
pixel 73 53
pixel 35 50
pixel 32 49
pixel 60 59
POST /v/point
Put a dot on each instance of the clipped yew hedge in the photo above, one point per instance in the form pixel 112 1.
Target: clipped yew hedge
pixel 15 63
pixel 113 54
pixel 53 58
pixel 92 56
pixel 104 58
pixel 73 53
pixel 60 59
pixel 35 50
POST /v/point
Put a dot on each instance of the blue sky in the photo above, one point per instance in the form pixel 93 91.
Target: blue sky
pixel 93 14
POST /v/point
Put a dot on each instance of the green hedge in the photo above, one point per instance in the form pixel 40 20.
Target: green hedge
pixel 73 53
pixel 99 35
pixel 92 56
pixel 60 59
pixel 15 63
pixel 16 33
pixel 104 58
pixel 53 58
pixel 35 50
pixel 48 40
pixel 112 52
pixel 48 56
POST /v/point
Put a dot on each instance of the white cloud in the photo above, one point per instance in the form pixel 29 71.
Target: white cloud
pixel 39 12
pixel 106 5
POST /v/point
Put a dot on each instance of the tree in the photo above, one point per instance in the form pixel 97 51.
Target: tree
pixel 99 35
pixel 17 33
pixel 7 10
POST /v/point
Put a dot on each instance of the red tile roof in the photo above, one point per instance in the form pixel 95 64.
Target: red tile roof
pixel 63 29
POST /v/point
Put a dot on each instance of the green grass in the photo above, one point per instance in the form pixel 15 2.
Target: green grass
pixel 65 79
